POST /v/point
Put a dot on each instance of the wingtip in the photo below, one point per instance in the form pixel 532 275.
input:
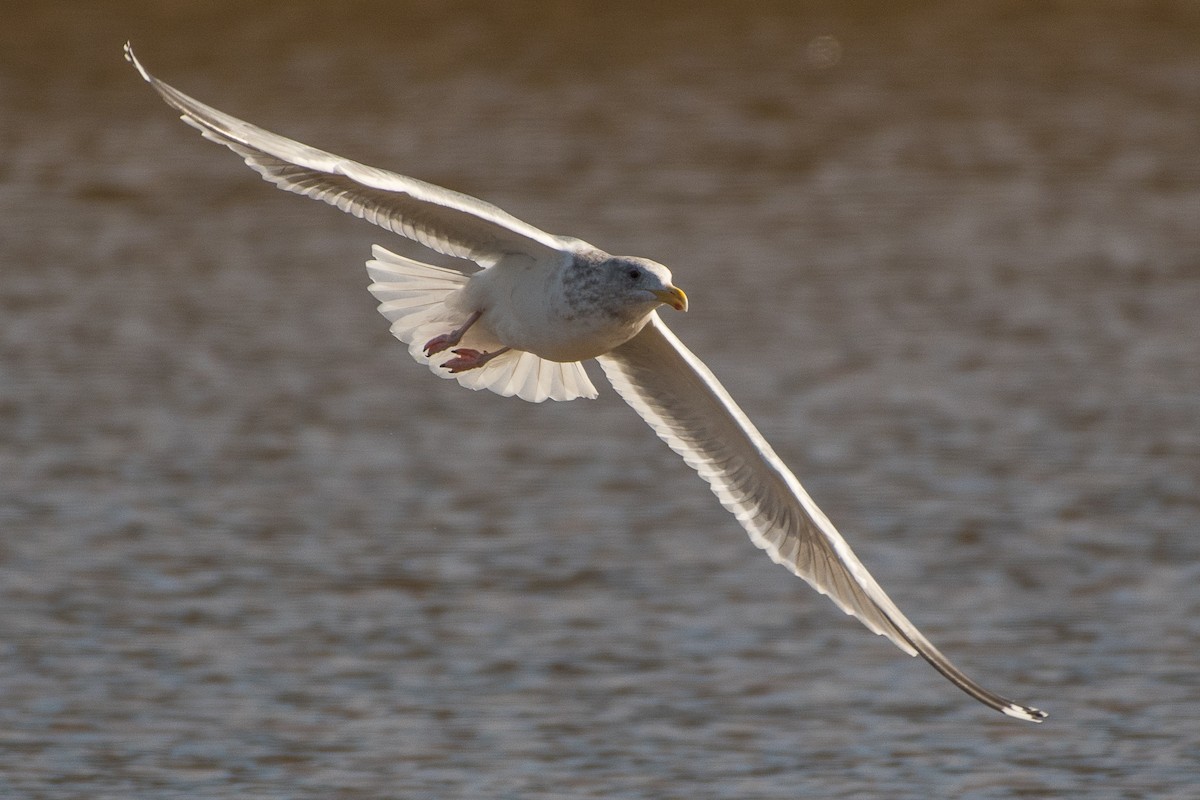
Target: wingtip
pixel 1027 713
pixel 132 59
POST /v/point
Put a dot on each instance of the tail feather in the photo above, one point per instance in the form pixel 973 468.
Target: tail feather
pixel 420 300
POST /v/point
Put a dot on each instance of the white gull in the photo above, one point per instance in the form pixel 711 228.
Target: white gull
pixel 540 305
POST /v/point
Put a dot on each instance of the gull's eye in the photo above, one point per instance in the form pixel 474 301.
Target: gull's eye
pixel 635 273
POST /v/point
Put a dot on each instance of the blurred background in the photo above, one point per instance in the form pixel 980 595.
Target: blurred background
pixel 946 255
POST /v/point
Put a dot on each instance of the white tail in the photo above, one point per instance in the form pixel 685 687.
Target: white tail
pixel 421 302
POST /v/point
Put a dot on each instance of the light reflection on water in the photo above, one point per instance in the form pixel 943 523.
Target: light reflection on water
pixel 252 550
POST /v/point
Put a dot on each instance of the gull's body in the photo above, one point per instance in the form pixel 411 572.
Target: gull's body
pixel 543 303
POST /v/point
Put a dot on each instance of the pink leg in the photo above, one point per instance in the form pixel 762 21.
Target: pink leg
pixel 471 359
pixel 447 340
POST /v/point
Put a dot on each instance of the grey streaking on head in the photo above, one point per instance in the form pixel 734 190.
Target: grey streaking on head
pixel 543 303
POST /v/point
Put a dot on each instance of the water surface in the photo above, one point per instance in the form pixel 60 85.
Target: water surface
pixel 947 257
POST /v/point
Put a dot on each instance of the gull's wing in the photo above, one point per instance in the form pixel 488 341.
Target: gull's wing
pixel 691 411
pixel 449 222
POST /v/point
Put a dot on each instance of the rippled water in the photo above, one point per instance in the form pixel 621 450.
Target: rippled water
pixel 947 257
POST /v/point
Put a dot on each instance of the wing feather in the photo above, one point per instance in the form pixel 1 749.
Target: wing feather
pixel 691 411
pixel 447 221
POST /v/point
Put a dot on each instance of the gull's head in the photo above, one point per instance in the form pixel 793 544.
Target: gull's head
pixel 642 281
pixel 619 288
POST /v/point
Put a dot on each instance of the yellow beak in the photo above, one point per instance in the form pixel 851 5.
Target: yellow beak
pixel 674 297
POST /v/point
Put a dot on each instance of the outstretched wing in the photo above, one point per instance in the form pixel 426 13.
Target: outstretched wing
pixel 447 221
pixel 691 411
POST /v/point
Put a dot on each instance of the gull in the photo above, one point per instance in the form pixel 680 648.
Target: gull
pixel 538 306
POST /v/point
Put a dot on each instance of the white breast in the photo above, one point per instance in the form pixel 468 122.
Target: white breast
pixel 524 307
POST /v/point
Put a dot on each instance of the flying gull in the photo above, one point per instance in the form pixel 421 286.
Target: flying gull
pixel 539 306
